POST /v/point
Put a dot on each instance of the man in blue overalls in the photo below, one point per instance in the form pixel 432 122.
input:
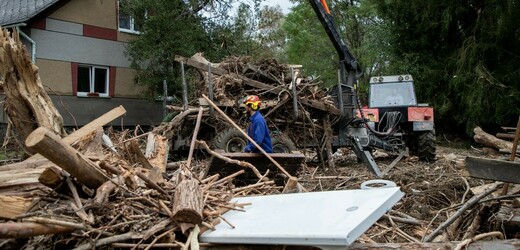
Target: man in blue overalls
pixel 258 129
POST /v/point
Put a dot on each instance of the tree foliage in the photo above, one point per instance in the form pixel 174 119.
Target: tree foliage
pixel 358 24
pixel 464 55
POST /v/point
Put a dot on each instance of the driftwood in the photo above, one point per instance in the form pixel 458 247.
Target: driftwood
pixel 27 104
pixel 19 230
pixel 466 206
pixel 50 145
pixel 490 140
pixel 188 202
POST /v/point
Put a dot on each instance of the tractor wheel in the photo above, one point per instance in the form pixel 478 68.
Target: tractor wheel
pixel 282 144
pixel 230 140
pixel 426 146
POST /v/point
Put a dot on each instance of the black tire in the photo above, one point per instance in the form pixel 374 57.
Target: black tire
pixel 426 146
pixel 230 140
pixel 282 144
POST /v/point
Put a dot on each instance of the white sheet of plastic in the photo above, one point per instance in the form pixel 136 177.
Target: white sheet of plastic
pixel 324 219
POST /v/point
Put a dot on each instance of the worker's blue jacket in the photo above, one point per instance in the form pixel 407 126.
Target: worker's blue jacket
pixel 259 132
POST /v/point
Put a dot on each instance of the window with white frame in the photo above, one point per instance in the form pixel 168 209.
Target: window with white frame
pixel 127 21
pixel 93 81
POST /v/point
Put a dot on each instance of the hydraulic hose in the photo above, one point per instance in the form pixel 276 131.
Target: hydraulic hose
pixel 363 120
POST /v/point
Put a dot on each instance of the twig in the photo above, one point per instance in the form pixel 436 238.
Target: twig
pixel 410 238
pixel 461 210
pixel 106 241
pixel 466 242
pixel 226 221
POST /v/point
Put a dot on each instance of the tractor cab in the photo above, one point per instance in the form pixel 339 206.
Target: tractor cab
pixel 392 91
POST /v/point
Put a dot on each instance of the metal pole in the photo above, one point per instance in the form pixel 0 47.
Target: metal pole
pixel 165 96
pixel 295 97
pixel 184 88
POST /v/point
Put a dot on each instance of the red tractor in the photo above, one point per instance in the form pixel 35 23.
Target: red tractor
pixel 394 115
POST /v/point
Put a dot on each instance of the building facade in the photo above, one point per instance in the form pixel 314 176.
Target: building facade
pixel 79 47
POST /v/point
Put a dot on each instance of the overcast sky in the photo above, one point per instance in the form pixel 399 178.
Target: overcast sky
pixel 284 4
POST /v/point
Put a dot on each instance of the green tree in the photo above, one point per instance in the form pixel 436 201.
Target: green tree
pixel 464 55
pixel 174 27
pixel 359 26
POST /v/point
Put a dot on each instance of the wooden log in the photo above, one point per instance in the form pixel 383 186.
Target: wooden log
pixel 20 230
pixel 194 138
pixel 505 136
pixel 490 140
pixel 52 177
pixel 106 189
pixel 188 202
pixel 13 206
pixel 48 144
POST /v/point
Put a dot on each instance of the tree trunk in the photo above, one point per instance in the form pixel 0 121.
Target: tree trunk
pixel 66 157
pixel 27 104
pixel 490 140
pixel 188 202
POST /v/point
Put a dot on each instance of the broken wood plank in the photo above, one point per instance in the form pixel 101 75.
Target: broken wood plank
pixel 491 169
pixel 50 145
pixel 13 206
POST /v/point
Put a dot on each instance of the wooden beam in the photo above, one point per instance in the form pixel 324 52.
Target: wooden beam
pixel 491 169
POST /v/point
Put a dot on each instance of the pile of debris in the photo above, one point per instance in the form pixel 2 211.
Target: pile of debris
pixel 278 85
pixel 117 189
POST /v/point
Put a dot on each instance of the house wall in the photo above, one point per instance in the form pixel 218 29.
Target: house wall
pixel 99 13
pixel 86 32
pixel 55 75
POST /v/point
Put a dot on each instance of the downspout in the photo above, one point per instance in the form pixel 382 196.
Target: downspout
pixel 33 43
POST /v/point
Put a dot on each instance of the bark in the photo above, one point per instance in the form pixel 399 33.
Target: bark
pixel 490 140
pixel 66 157
pixel 188 202
pixel 19 230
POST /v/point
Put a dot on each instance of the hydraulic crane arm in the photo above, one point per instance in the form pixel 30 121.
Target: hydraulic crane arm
pixel 322 11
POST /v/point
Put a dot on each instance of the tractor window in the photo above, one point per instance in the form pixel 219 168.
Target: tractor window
pixel 392 94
